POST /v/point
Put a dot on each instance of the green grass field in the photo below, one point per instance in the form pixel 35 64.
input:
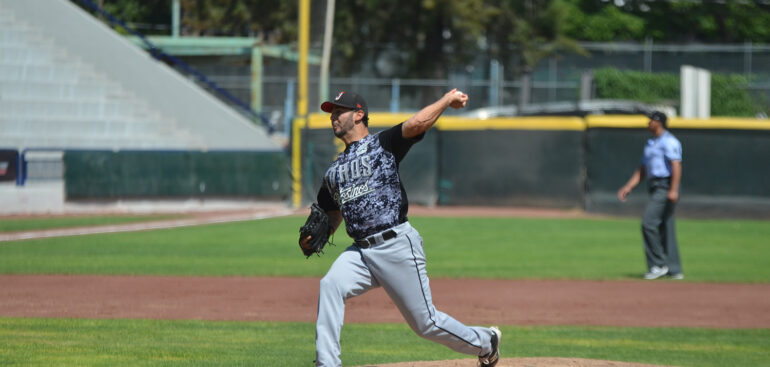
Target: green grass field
pixel 506 248
pixel 63 342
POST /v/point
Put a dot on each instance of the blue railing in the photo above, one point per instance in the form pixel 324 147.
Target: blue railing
pixel 158 53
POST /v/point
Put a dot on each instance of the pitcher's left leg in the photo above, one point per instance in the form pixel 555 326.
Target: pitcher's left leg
pixel 399 264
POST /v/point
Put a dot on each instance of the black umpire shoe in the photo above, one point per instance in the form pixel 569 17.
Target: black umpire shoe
pixel 491 359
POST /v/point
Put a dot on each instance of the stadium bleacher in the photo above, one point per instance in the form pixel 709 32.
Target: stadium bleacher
pixel 70 83
pixel 51 99
pixel 54 95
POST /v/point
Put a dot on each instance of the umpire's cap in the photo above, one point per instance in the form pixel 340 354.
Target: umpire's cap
pixel 347 100
pixel 659 116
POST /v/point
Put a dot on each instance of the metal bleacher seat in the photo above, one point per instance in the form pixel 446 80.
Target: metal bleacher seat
pixel 50 98
pixel 68 81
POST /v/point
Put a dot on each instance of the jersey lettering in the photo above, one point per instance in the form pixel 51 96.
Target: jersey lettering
pixel 353 192
pixel 350 171
pixel 364 183
pixel 343 173
pixel 367 167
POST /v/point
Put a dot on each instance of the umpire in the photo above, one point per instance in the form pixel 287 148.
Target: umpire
pixel 662 166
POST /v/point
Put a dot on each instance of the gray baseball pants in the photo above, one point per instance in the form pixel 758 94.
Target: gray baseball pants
pixel 660 245
pixel 397 265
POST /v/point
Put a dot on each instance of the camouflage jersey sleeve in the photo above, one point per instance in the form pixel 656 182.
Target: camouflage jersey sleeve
pixel 364 183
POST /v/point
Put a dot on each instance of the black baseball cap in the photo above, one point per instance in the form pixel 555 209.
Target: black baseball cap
pixel 347 100
pixel 659 116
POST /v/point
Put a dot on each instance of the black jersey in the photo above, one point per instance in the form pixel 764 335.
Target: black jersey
pixel 364 183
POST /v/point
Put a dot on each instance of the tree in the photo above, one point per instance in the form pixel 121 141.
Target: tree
pixel 433 35
pixel 148 17
pixel 242 18
pixel 670 21
pixel 706 21
pixel 427 35
pixel 526 32
pixel 602 22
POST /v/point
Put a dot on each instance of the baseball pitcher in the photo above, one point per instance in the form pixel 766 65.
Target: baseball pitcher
pixel 363 187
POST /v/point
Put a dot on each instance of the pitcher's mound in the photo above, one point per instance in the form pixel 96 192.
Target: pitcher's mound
pixel 520 362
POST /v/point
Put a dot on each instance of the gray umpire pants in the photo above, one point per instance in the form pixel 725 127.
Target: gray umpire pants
pixel 397 265
pixel 660 245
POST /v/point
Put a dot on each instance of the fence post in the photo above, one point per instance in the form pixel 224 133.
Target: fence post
pixel 494 83
pixel 20 172
pixel 552 82
pixel 747 48
pixel 648 54
pixel 586 85
pixel 395 95
pixel 256 78
pixel 288 107
pixel 525 90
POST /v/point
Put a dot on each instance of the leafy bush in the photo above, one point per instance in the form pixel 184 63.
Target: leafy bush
pixel 729 96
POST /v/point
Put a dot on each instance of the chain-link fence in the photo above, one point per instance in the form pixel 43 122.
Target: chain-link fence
pixel 554 79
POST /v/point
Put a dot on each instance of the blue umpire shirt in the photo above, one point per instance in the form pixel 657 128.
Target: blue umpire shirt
pixel 658 154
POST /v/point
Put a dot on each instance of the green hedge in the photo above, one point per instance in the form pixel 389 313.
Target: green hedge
pixel 729 96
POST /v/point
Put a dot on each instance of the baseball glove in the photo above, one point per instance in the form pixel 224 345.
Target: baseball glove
pixel 317 226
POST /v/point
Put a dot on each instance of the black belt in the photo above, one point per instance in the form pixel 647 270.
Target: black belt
pixel 375 239
pixel 659 182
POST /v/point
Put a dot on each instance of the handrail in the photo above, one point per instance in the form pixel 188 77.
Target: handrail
pixel 158 53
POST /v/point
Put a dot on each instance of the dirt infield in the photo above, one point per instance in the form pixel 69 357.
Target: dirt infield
pixel 517 302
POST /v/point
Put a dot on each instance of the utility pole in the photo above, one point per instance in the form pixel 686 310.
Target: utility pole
pixel 323 84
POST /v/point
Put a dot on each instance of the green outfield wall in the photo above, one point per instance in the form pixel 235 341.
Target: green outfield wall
pixel 528 161
pixel 511 167
pixel 725 163
pixel 554 162
pixel 566 162
pixel 131 174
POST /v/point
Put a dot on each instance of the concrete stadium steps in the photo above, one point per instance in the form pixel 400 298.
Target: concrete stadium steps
pixel 96 142
pixel 50 98
pixel 18 33
pixel 15 54
pixel 118 127
pixel 56 73
pixel 102 133
pixel 40 108
pixel 68 81
pixel 22 54
pixel 46 90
